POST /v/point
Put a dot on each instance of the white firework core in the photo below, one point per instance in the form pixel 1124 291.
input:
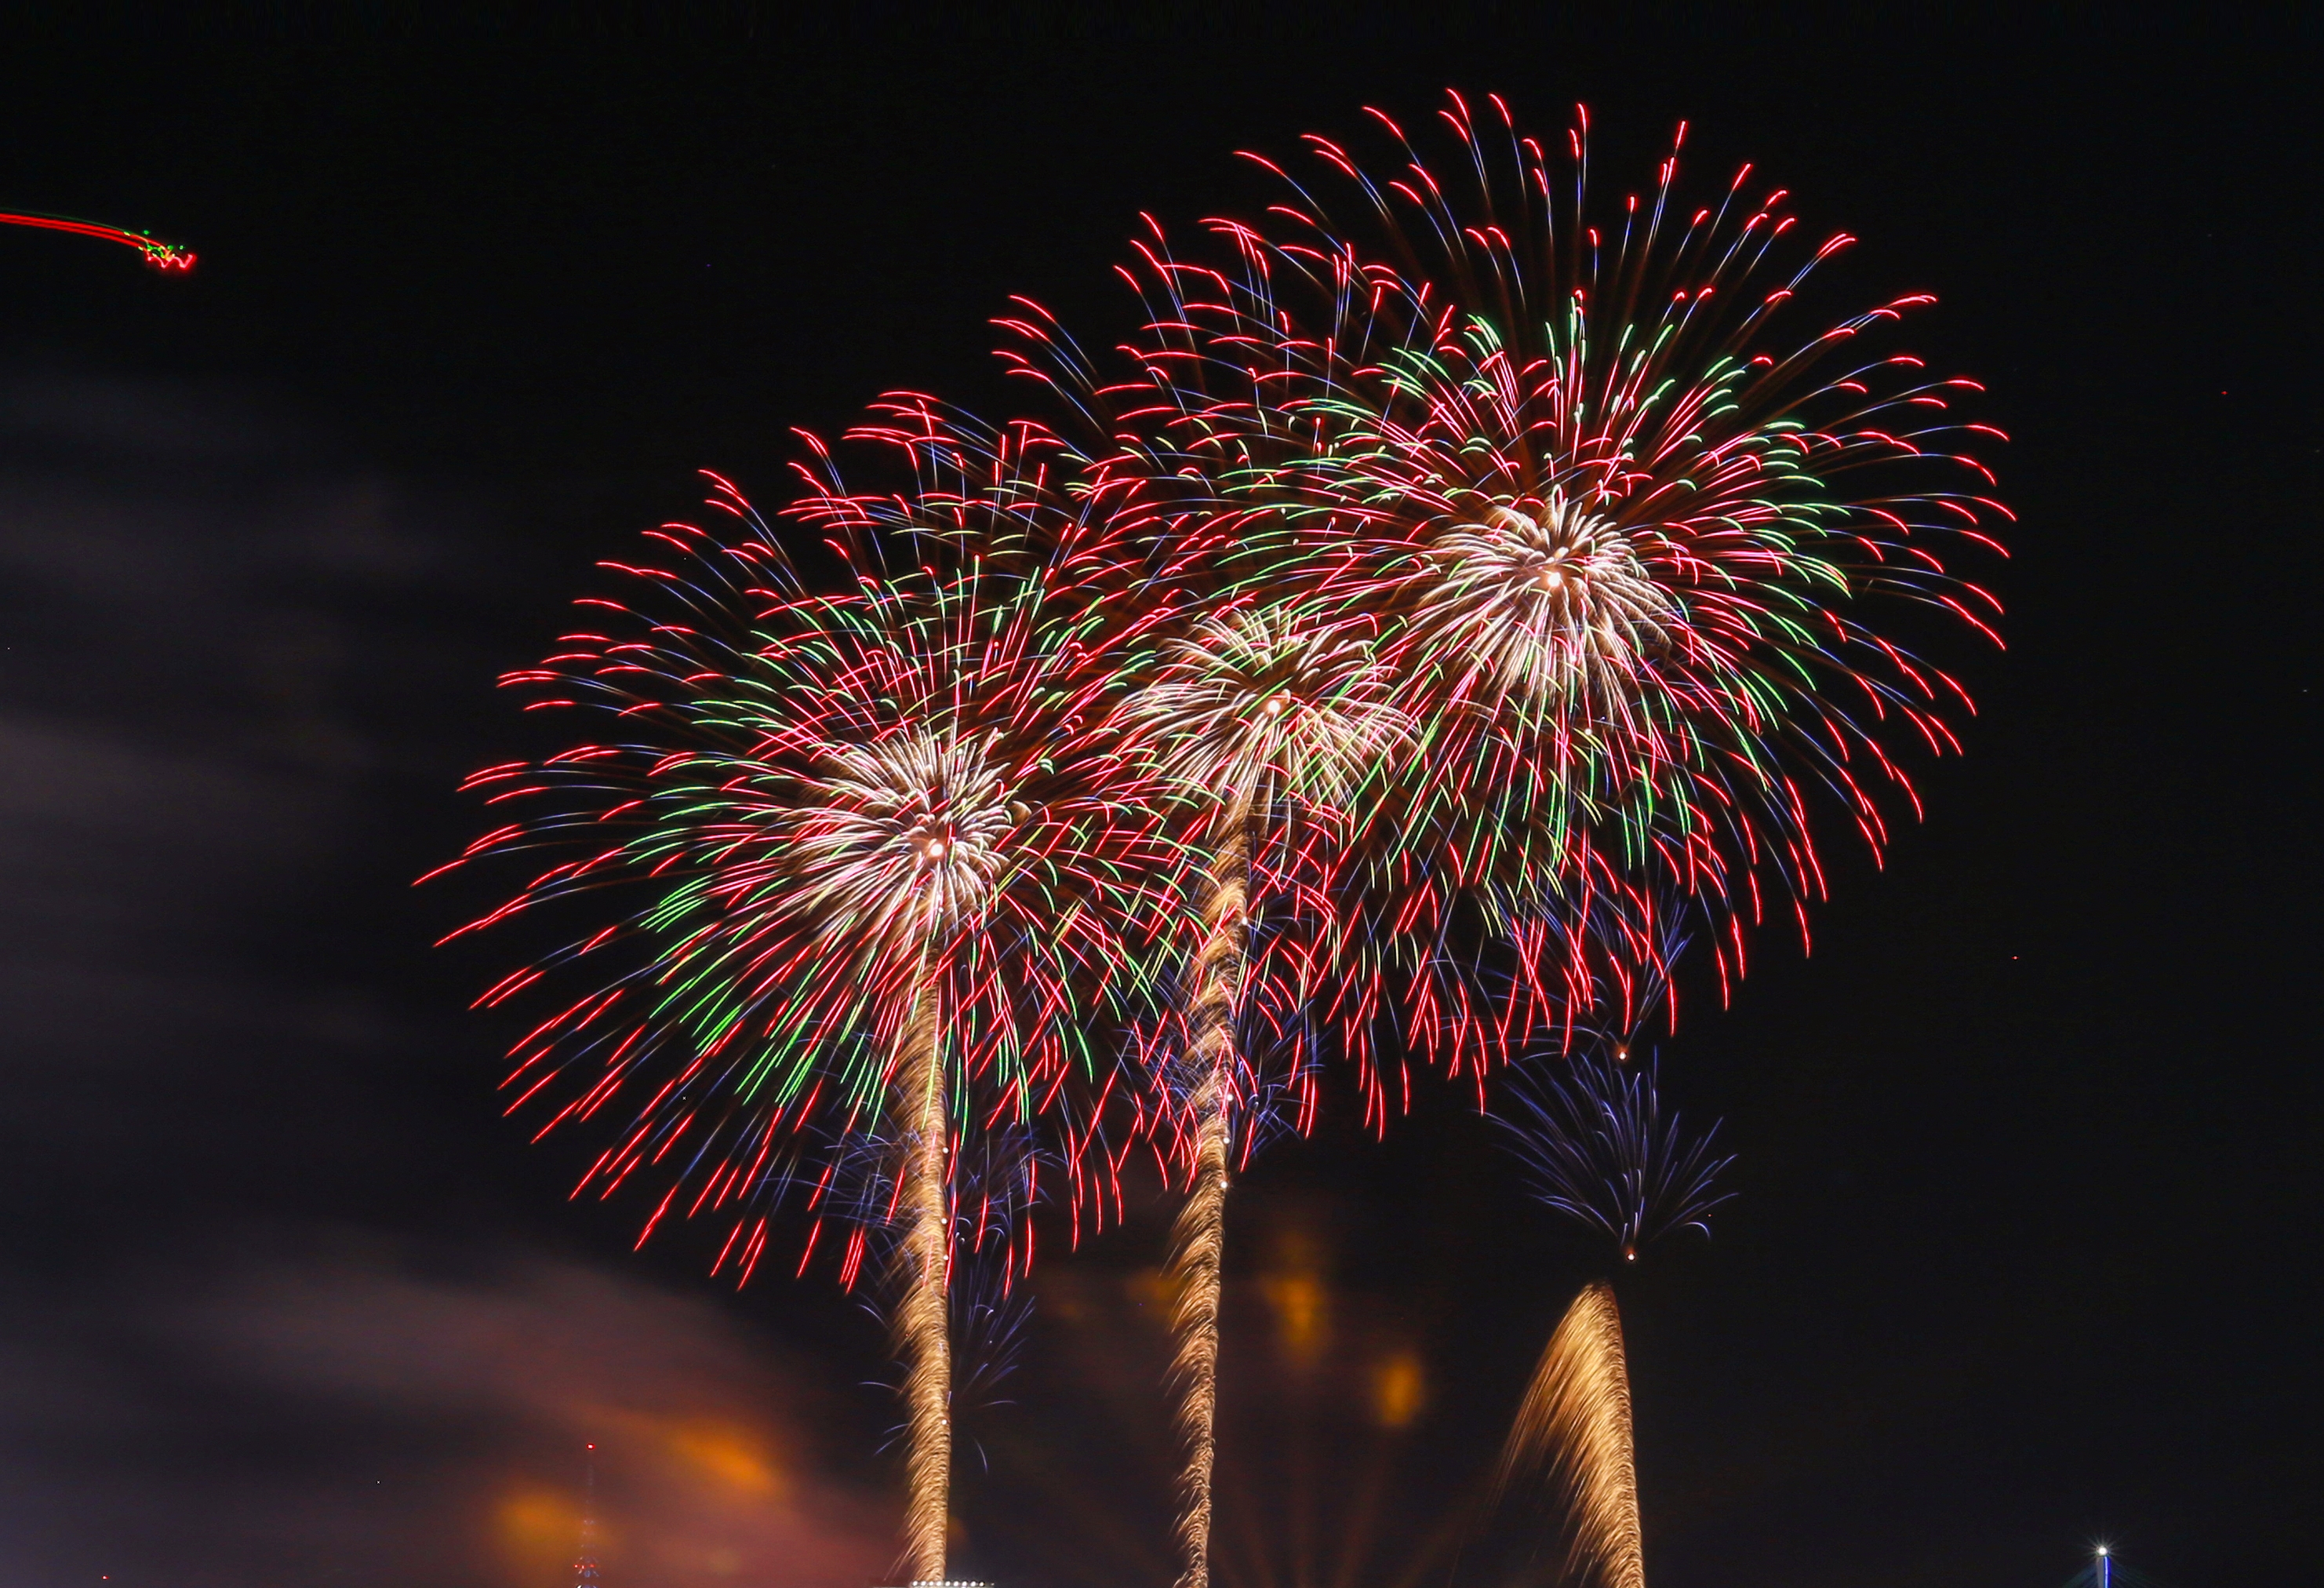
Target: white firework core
pixel 1245 705
pixel 905 834
pixel 1553 599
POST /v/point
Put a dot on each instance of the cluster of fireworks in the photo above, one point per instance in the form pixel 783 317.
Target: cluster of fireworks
pixel 1448 602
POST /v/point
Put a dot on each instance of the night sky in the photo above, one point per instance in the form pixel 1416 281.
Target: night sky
pixel 2021 1255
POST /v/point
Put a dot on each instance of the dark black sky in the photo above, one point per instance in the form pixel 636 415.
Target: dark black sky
pixel 2021 1254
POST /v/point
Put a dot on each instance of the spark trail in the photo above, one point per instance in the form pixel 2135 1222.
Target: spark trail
pixel 1251 716
pixel 923 1317
pixel 166 257
pixel 1198 1247
pixel 1574 1427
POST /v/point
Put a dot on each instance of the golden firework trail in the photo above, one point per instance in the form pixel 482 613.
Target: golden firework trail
pixel 1199 1241
pixel 1247 714
pixel 1574 1426
pixel 923 1320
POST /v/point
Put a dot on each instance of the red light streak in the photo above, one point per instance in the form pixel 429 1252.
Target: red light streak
pixel 161 256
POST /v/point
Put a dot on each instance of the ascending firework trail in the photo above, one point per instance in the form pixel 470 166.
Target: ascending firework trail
pixel 1262 719
pixel 162 256
pixel 1574 1425
pixel 877 850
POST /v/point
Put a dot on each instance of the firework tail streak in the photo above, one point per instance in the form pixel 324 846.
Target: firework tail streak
pixel 1259 717
pixel 1575 1423
pixel 1199 1240
pixel 923 1316
pixel 165 257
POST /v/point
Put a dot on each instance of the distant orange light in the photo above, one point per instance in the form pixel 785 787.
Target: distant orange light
pixel 536 1527
pixel 1302 1306
pixel 1399 1389
pixel 728 1454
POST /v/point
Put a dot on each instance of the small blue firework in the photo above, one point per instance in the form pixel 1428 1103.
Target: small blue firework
pixel 1590 1129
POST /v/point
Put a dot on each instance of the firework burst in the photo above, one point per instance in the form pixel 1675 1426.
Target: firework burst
pixel 878 856
pixel 1636 545
pixel 1261 704
pixel 1551 603
pixel 1592 1132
